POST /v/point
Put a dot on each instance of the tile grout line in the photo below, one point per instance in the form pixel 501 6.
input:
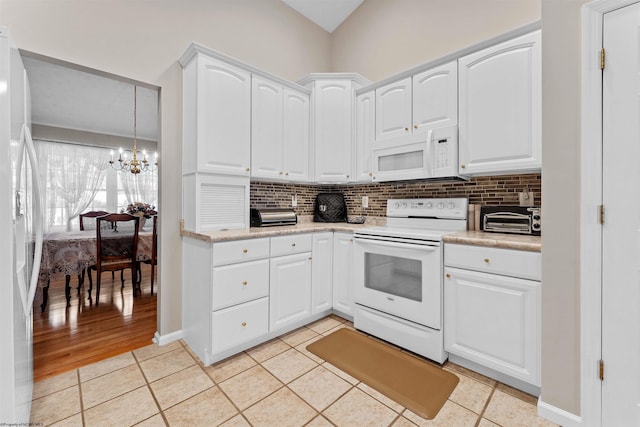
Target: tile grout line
pixel 81 399
pixel 486 404
pixel 148 385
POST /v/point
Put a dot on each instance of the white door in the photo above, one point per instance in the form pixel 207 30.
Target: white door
pixel 295 145
pixel 333 130
pixel 224 115
pixel 290 290
pixel 500 107
pixel 393 109
pixel 266 129
pixel 322 273
pixel 343 273
pixel 621 230
pixel 435 98
pixel 365 135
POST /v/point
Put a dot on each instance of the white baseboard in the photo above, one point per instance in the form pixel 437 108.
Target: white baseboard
pixel 168 338
pixel 558 416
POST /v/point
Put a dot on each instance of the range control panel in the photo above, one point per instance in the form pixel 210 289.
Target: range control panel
pixel 443 208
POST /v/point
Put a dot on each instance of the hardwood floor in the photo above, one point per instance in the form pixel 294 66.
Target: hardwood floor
pixel 66 338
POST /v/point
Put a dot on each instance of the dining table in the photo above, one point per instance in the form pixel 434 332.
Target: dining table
pixel 70 253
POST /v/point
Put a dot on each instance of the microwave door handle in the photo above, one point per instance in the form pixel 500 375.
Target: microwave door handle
pixel 429 154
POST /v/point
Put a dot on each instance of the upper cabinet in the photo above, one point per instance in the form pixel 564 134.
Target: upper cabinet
pixel 365 136
pixel 418 103
pixel 280 132
pixel 500 108
pixel 216 117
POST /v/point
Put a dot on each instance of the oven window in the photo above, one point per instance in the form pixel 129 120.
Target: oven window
pixel 393 275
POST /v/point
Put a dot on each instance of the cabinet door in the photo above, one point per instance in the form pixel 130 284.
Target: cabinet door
pixel 266 129
pixel 500 112
pixel 365 135
pixel 224 118
pixel 494 321
pixel 290 290
pixel 343 272
pixel 333 130
pixel 435 98
pixel 322 273
pixel 295 154
pixel 393 109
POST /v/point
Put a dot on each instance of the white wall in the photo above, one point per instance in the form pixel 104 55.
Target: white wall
pixel 384 37
pixel 142 40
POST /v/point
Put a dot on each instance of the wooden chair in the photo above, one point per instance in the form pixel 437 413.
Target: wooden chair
pixel 154 254
pixel 116 249
pixel 91 214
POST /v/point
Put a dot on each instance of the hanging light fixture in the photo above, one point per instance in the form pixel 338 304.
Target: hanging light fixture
pixel 133 165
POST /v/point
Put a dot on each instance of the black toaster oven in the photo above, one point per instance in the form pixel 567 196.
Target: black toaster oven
pixel 511 219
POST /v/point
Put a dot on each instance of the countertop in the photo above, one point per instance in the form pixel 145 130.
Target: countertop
pixel 496 240
pixel 306 225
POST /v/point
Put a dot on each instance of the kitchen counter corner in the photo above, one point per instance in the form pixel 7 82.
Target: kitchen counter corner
pixel 496 240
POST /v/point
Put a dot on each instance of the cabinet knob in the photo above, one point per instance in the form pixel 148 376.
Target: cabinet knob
pixel 370 174
pixel 244 324
pixel 406 129
pixel 244 251
pixel 293 244
pixel 287 173
pixel 244 282
pixel 462 166
pixel 248 169
pixel 486 260
pixel 280 172
pixel 448 276
pixel 415 126
pixel 347 176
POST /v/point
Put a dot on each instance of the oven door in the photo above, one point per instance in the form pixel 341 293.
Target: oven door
pixel 400 278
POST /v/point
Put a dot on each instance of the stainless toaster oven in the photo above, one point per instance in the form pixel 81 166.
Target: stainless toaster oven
pixel 511 219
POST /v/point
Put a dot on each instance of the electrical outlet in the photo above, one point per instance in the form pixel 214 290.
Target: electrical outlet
pixel 365 201
pixel 526 198
pixel 294 201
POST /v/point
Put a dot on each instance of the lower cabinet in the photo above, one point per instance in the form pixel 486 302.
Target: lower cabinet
pixel 322 273
pixel 343 273
pixel 492 320
pixel 290 291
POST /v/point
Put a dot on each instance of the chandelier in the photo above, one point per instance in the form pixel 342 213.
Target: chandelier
pixel 134 165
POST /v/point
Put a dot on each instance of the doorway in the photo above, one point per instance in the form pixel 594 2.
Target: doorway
pixel 610 239
pixel 78 116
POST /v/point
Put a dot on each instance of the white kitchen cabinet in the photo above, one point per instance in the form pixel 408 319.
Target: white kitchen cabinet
pixel 365 136
pixel 279 132
pixel 290 292
pixel 322 273
pixel 343 273
pixel 295 143
pixel 393 109
pixel 427 100
pixel 216 117
pixel 500 108
pixel 490 318
pixel 266 128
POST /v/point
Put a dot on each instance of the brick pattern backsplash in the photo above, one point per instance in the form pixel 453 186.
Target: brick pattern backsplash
pixel 486 190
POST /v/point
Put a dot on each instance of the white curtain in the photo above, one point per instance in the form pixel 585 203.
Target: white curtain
pixel 142 187
pixel 71 175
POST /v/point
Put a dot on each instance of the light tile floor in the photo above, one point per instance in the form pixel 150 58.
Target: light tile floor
pixel 278 383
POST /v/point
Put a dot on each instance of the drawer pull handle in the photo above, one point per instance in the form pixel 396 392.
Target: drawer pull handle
pixel 245 283
pixel 448 276
pixel 244 324
pixel 486 260
pixel 244 251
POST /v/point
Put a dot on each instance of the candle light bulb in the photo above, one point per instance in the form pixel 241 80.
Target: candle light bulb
pixel 111 155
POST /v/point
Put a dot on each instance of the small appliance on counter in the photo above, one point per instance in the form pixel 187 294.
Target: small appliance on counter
pixel 266 217
pixel 511 219
pixel 330 207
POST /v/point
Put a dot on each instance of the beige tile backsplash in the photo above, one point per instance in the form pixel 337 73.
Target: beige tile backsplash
pixel 487 190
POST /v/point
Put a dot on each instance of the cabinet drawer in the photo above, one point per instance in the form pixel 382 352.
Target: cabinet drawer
pixel 239 251
pixel 287 245
pixel 237 283
pixel 506 262
pixel 238 324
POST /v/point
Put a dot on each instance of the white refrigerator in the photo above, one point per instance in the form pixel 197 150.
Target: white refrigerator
pixel 20 236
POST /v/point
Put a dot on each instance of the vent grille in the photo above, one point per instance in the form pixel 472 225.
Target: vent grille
pixel 222 206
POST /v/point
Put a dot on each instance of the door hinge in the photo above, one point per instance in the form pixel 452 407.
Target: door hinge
pixel 601 214
pixel 601 369
pixel 602 55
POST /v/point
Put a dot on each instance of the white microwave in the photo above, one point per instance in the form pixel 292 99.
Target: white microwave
pixel 430 154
